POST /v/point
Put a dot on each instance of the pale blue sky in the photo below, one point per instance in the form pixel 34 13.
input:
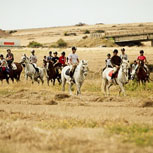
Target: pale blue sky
pixel 19 14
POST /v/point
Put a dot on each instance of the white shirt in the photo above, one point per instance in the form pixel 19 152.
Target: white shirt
pixel 74 58
pixel 33 59
pixel 108 62
pixel 124 56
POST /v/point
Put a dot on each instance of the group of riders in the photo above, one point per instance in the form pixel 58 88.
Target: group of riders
pixel 115 61
pixel 72 60
pixel 58 62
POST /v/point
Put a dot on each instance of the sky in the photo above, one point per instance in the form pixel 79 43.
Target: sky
pixel 23 14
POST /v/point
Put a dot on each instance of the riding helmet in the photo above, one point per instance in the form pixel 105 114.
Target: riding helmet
pixel 63 53
pixel 50 52
pixel 1 55
pixel 115 51
pixel 123 49
pixel 141 51
pixel 8 50
pixel 108 54
pixel 55 52
pixel 32 51
pixel 74 48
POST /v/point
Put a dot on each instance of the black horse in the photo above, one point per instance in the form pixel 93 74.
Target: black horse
pixel 53 73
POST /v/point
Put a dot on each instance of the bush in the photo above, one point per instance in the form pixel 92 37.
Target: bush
pixel 61 43
pixel 80 24
pixel 34 44
pixel 86 32
pixel 70 34
pixel 100 31
pixel 12 31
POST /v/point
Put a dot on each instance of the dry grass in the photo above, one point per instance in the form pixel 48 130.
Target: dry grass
pixel 41 118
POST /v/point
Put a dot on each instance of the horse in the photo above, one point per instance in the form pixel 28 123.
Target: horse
pixel 17 72
pixel 79 76
pixel 140 74
pixel 52 73
pixel 30 71
pixel 121 78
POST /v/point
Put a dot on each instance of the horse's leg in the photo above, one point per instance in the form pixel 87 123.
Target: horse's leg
pixel 48 81
pixel 108 87
pixel 63 84
pixel 103 86
pixel 78 88
pixel 70 89
pixel 121 88
pixel 54 82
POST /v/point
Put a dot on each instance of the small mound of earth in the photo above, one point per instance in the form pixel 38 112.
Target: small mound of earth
pixel 52 102
pixel 61 96
pixel 147 104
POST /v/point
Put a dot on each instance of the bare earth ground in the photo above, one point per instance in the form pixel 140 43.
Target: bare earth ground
pixel 38 118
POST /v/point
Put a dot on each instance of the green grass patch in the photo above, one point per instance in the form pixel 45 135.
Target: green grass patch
pixel 141 135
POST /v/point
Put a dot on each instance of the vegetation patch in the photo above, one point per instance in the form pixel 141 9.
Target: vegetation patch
pixel 34 44
pixel 141 135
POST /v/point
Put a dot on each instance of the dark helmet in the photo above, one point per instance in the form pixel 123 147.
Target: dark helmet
pixel 50 52
pixel 1 55
pixel 123 49
pixel 115 51
pixel 141 51
pixel 32 51
pixel 8 50
pixel 63 53
pixel 55 53
pixel 74 48
pixel 108 54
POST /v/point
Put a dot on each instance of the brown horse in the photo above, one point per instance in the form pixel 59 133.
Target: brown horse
pixel 17 72
pixel 53 74
pixel 142 74
pixel 11 74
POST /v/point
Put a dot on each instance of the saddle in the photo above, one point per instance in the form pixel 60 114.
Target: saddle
pixel 37 70
pixel 13 66
pixel 111 73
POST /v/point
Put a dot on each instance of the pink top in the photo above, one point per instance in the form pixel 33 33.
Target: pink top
pixel 141 58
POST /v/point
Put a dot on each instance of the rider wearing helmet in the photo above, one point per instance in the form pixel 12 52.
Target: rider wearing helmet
pixel 108 61
pixel 9 58
pixel 33 60
pixel 73 61
pixel 62 59
pixel 116 62
pixel 123 55
pixel 50 57
pixel 143 59
pixel 4 66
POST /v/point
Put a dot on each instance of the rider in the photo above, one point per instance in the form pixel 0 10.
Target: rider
pixel 9 58
pixel 73 60
pixel 123 55
pixel 33 60
pixel 144 60
pixel 108 61
pixel 4 65
pixel 116 62
pixel 55 59
pixel 62 59
pixel 50 57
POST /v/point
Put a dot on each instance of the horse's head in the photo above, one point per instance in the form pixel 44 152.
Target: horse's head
pixel 84 67
pixel 125 66
pixel 24 59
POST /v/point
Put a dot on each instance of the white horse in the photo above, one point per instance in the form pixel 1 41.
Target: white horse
pixel 79 76
pixel 121 80
pixel 30 71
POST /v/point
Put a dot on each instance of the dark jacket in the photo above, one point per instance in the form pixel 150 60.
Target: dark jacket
pixel 116 60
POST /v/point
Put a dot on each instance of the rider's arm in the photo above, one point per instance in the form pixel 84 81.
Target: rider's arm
pixel 78 60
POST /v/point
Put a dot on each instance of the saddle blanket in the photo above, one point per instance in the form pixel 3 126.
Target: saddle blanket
pixel 111 73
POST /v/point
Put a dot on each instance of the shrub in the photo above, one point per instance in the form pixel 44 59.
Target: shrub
pixel 86 32
pixel 12 31
pixel 34 44
pixel 61 43
pixel 70 34
pixel 100 31
pixel 80 24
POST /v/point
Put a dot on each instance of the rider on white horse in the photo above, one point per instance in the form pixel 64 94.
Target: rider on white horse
pixel 73 61
pixel 33 60
pixel 116 62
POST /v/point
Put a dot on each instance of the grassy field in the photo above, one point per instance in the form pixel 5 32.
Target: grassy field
pixel 41 118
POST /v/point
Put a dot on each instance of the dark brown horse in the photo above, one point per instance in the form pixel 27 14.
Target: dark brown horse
pixel 142 74
pixel 52 73
pixel 11 74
